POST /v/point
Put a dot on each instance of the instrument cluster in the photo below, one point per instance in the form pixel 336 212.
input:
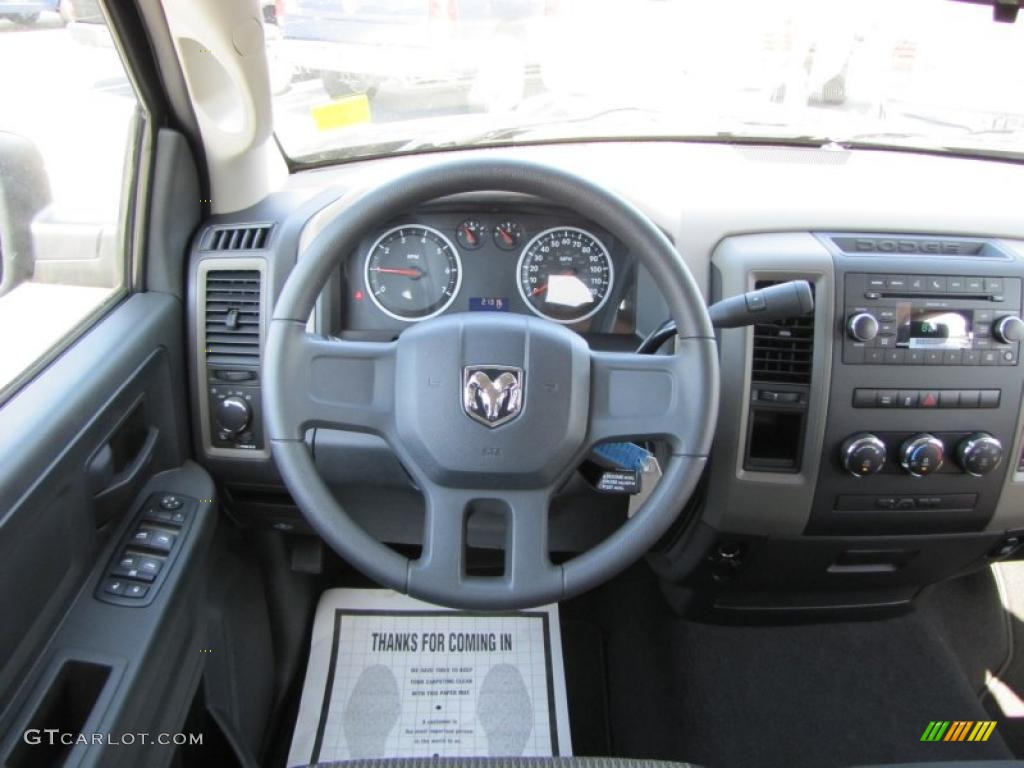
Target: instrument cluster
pixel 555 266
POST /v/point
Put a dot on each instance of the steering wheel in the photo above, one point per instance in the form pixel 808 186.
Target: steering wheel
pixel 559 400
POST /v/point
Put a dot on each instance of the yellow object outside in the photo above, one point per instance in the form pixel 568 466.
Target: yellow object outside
pixel 351 110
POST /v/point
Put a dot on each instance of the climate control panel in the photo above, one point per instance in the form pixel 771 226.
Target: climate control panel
pixel 922 454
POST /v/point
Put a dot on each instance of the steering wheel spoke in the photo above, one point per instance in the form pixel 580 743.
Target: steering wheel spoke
pixel 656 397
pixel 331 383
pixel 442 565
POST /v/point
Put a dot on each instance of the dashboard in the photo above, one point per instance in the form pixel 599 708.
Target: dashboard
pixel 862 451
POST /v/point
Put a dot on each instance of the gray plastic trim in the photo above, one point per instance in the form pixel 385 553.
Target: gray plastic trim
pixel 205 267
pixel 759 503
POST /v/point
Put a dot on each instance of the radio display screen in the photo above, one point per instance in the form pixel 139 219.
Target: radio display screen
pixel 927 328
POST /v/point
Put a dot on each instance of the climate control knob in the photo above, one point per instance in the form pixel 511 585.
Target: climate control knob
pixel 921 455
pixel 862 454
pixel 862 326
pixel 1009 329
pixel 979 454
pixel 233 414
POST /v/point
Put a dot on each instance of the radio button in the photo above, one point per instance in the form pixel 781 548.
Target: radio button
pixel 915 283
pixel 952 357
pixel 972 356
pixel 983 317
pixel 876 281
pixel 1009 328
pixel 990 357
pixel 1008 357
pixel 874 356
pixel 933 357
pixel 886 315
pixel 885 342
pixel 896 282
pixel 915 357
pixel 994 285
pixel 894 356
pixel 975 285
pixel 936 284
pixel 957 285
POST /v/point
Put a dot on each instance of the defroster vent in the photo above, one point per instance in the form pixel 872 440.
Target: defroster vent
pixel 233 317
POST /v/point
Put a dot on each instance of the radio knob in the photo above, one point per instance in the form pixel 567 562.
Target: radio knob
pixel 921 455
pixel 1009 329
pixel 979 454
pixel 862 326
pixel 233 414
pixel 862 454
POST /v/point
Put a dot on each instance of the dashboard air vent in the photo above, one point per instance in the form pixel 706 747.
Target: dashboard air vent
pixel 248 238
pixel 233 317
pixel 783 350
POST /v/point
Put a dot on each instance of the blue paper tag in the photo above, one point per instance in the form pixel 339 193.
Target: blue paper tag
pixel 624 455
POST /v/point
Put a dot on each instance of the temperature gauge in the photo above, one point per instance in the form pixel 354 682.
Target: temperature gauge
pixel 507 235
pixel 471 234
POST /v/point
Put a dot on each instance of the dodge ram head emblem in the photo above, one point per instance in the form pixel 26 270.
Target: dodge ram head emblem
pixel 492 394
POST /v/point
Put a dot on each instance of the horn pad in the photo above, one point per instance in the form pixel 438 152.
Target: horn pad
pixel 491 400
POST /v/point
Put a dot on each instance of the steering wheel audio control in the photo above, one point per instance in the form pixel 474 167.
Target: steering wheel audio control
pixel 979 454
pixel 233 414
pixel 862 326
pixel 1009 329
pixel 922 455
pixel 862 454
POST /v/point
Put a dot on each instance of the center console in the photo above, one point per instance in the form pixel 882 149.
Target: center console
pixel 925 395
pixel 873 447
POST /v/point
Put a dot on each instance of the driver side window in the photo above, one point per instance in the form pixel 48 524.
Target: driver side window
pixel 67 134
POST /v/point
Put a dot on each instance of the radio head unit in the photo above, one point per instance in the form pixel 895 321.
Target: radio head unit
pixel 932 320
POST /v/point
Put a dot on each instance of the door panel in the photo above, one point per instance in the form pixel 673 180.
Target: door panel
pixel 77 445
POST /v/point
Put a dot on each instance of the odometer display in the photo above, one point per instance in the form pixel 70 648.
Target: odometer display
pixel 565 274
pixel 413 272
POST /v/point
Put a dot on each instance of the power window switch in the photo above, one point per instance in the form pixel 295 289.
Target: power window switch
pixel 150 567
pixel 161 541
pixel 142 536
pixel 136 590
pixel 114 586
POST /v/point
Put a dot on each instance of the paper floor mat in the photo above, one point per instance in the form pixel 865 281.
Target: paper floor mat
pixel 390 676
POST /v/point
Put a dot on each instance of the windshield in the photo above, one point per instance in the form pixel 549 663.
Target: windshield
pixel 359 78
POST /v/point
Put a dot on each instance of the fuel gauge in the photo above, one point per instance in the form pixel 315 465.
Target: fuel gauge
pixel 471 234
pixel 507 235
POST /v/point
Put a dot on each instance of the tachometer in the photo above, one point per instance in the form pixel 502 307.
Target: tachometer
pixel 413 272
pixel 565 274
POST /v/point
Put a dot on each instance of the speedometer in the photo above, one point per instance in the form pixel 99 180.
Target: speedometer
pixel 413 272
pixel 565 274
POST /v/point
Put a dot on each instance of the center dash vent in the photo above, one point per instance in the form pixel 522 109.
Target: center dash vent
pixel 245 238
pixel 783 350
pixel 232 332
